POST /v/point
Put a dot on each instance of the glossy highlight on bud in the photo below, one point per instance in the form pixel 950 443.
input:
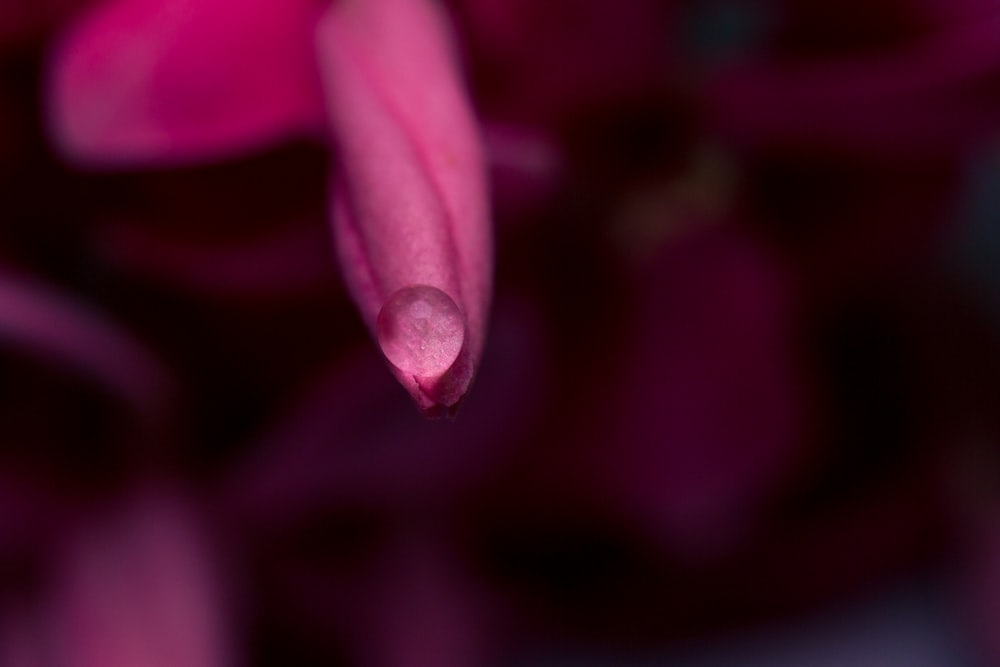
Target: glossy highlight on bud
pixel 421 330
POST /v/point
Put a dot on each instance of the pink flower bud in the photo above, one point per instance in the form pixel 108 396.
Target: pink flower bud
pixel 149 81
pixel 410 203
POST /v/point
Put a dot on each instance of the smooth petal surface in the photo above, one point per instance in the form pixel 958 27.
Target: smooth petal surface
pixel 410 208
pixel 139 591
pixel 139 81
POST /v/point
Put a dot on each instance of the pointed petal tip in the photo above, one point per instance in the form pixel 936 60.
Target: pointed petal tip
pixel 150 82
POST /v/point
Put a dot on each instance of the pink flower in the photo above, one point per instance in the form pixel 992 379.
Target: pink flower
pixel 71 333
pixel 137 588
pixel 151 82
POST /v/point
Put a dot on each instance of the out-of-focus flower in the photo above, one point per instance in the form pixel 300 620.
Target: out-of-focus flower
pixel 53 327
pixel 713 403
pixel 138 587
pixel 140 82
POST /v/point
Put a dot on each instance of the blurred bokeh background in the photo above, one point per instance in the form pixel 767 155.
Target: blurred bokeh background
pixel 739 403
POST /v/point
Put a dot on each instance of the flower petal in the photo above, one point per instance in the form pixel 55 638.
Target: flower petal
pixel 140 588
pixel 410 211
pixel 64 330
pixel 139 81
pixel 714 402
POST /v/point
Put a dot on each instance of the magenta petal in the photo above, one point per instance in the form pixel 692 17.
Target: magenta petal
pixel 410 211
pixel 140 588
pixel 63 330
pixel 174 80
pixel 526 168
pixel 712 401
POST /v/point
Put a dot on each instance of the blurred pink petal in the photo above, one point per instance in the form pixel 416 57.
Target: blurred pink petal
pixel 526 166
pixel 707 419
pixel 410 201
pixel 56 327
pixel 138 590
pixel 21 640
pixel 154 81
